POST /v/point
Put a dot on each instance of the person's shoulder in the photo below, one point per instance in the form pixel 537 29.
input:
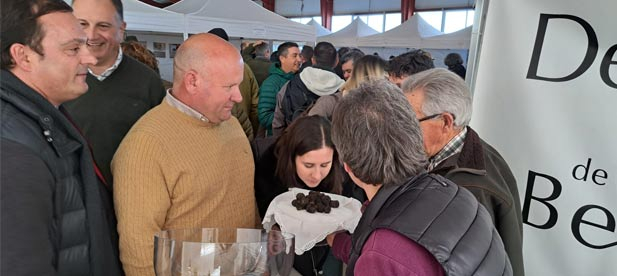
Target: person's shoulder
pixel 487 148
pixel 389 251
pixel 272 83
pixel 155 119
pixel 383 240
pixel 129 65
pixel 490 151
pixel 331 99
pixel 17 156
pixel 21 127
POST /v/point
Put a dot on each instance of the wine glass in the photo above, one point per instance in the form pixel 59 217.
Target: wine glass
pixel 221 251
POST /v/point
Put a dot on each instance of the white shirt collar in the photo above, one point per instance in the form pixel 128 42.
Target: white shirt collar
pixel 171 100
pixel 109 70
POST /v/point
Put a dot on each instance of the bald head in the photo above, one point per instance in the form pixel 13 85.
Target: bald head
pixel 207 73
pixel 202 52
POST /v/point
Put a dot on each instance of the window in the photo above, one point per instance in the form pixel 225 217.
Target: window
pixel 456 20
pixel 470 16
pixel 318 19
pixel 432 17
pixel 446 21
pixel 392 21
pixel 449 21
pixel 375 21
pixel 304 20
pixel 340 21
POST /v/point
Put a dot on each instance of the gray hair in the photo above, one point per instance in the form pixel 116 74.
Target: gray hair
pixel 377 135
pixel 261 49
pixel 444 91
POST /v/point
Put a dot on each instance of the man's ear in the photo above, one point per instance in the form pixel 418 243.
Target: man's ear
pixel 123 27
pixel 448 121
pixel 191 81
pixel 346 167
pixel 22 56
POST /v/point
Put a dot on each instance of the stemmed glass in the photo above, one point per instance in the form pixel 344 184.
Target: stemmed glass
pixel 220 251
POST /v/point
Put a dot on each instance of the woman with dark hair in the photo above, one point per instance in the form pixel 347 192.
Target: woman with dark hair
pixel 303 157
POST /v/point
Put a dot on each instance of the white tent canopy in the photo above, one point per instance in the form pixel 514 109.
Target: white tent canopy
pixel 240 18
pixel 456 40
pixel 140 16
pixel 319 30
pixel 407 35
pixel 350 35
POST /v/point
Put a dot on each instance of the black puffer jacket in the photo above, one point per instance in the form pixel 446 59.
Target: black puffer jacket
pixel 56 217
pixel 444 218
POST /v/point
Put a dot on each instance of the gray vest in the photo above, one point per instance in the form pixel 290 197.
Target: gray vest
pixel 444 218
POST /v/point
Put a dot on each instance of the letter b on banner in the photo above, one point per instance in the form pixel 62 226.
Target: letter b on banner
pixel 552 218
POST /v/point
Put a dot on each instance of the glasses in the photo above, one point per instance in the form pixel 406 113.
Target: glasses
pixel 434 116
pixel 429 117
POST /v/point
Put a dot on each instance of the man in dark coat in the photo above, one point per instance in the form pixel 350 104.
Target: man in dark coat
pixel 442 103
pixel 56 209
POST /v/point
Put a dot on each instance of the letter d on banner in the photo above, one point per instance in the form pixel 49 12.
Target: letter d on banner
pixel 590 55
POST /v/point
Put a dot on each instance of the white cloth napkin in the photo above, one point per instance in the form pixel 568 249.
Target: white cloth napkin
pixel 308 228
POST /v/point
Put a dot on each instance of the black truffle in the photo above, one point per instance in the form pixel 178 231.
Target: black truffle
pixel 314 202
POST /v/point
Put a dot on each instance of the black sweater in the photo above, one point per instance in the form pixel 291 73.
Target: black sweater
pixel 110 108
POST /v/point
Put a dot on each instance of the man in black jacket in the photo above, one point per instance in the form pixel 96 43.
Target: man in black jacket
pixel 442 103
pixel 55 210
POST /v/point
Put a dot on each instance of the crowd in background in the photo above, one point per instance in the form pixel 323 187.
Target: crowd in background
pixel 99 153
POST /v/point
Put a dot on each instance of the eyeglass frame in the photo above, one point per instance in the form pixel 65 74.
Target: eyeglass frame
pixel 425 118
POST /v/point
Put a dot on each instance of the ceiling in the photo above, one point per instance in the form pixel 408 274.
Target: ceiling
pixel 299 8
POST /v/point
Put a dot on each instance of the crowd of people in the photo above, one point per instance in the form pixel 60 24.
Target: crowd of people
pixel 97 156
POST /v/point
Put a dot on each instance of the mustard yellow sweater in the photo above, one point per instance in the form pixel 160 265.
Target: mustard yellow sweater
pixel 173 171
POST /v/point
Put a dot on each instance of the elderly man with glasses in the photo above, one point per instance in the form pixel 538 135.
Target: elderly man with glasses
pixel 443 104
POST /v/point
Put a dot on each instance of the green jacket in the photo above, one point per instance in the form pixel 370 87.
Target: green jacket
pixel 267 95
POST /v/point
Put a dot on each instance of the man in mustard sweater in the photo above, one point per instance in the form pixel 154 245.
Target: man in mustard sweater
pixel 186 163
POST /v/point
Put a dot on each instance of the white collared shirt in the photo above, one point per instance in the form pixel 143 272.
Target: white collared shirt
pixel 171 100
pixel 109 70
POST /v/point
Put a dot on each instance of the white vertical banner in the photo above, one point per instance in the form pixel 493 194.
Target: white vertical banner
pixel 545 96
